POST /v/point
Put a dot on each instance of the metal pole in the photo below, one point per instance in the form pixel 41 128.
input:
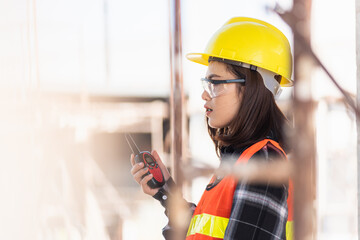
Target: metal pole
pixel 304 137
pixel 177 94
pixel 178 211
pixel 357 3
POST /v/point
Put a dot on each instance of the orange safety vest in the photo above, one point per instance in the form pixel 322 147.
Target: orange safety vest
pixel 212 214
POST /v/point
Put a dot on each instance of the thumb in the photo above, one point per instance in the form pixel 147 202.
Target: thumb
pixel 161 164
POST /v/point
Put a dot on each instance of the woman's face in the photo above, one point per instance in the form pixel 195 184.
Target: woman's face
pixel 222 109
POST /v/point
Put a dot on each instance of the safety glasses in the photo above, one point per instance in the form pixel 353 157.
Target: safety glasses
pixel 216 88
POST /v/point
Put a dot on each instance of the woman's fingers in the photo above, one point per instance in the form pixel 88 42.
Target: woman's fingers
pixel 145 179
pixel 132 159
pixel 136 168
pixel 139 174
pixel 145 187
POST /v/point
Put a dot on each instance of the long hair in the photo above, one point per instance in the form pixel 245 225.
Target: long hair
pixel 258 115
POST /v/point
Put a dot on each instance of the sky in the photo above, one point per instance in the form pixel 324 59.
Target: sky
pixel 129 57
pixel 73 51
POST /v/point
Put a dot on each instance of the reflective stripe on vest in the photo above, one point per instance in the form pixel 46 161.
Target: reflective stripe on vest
pixel 209 225
pixel 211 215
pixel 289 230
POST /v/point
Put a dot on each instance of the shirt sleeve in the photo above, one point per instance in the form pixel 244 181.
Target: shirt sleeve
pixel 163 196
pixel 259 211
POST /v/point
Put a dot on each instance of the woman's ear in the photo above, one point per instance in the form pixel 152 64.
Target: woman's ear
pixel 241 90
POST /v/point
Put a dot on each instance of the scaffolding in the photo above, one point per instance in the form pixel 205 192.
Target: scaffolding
pixel 84 186
pixel 303 159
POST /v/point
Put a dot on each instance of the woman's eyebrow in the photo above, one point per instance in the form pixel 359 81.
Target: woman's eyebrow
pixel 212 76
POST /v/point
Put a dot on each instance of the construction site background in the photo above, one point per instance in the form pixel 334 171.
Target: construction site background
pixel 76 75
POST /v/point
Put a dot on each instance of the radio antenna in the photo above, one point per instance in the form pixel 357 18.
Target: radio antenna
pixel 132 144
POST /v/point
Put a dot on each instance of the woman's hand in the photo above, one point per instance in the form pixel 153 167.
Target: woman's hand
pixel 138 171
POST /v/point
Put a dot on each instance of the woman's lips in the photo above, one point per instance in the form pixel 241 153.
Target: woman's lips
pixel 208 110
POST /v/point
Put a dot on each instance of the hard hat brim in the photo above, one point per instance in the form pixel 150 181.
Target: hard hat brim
pixel 203 58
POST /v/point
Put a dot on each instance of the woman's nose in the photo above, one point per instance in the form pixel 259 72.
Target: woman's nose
pixel 205 96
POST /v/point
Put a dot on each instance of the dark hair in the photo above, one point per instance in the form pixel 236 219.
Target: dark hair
pixel 258 116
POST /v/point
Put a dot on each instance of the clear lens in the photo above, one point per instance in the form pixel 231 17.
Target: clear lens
pixel 214 90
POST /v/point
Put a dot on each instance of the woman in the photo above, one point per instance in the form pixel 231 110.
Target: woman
pixel 248 60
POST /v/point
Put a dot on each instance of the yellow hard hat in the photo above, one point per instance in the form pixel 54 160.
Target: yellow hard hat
pixel 250 41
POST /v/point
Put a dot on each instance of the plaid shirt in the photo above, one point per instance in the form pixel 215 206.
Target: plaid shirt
pixel 259 211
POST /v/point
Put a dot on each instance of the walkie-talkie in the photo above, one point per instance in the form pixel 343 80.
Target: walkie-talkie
pixel 149 161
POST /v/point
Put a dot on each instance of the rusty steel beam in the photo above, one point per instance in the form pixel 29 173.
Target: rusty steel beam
pixel 303 135
pixel 305 58
pixel 178 210
pixel 303 138
pixel 177 93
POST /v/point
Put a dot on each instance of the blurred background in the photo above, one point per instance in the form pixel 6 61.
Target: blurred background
pixel 76 75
